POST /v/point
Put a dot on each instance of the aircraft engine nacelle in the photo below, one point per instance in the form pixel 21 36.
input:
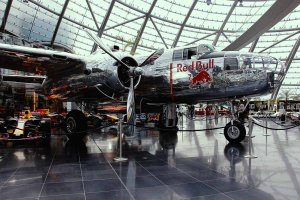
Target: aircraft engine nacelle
pixel 124 72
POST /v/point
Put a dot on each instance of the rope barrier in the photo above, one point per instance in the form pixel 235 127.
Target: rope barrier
pixel 278 129
pixel 206 129
pixel 276 122
pixel 201 119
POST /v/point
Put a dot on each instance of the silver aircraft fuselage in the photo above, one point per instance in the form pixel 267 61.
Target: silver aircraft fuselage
pixel 186 79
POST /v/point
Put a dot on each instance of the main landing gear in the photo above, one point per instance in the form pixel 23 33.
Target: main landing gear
pixel 76 124
pixel 235 131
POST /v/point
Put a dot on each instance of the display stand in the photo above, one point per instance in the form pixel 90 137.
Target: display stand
pixel 250 155
pixel 120 158
pixel 266 134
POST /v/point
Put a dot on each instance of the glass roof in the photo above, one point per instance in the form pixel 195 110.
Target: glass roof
pixel 37 20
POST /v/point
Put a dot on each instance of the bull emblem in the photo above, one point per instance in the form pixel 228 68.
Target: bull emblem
pixel 201 78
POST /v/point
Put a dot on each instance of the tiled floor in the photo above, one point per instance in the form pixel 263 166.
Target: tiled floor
pixel 161 165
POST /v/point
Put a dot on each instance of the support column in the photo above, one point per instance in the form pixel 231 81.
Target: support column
pixel 5 16
pixel 276 13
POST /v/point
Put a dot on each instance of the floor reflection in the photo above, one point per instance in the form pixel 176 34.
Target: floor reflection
pixel 161 165
pixel 74 147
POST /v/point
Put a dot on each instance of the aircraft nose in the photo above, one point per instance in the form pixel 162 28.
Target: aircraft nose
pixel 274 67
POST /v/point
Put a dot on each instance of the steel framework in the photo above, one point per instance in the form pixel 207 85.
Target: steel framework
pixel 59 21
pixel 288 64
pixel 275 13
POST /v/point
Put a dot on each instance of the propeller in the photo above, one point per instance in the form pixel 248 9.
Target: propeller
pixel 99 42
pixel 133 71
pixel 131 106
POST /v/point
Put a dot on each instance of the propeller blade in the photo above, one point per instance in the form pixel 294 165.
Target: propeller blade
pixel 131 107
pixel 99 42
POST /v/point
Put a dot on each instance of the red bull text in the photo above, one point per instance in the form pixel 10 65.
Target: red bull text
pixel 196 65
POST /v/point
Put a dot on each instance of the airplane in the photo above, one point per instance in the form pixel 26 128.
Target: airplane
pixel 168 77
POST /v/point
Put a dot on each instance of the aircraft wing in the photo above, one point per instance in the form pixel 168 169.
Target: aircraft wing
pixel 53 64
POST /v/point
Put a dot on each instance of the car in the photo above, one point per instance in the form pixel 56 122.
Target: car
pixel 56 118
pixel 25 127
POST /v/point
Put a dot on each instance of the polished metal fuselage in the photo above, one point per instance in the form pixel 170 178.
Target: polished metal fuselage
pixel 204 79
pixel 192 80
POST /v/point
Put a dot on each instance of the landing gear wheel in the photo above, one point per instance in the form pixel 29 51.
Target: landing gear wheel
pixel 76 125
pixel 235 132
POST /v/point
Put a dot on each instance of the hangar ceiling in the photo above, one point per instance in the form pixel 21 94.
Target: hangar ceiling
pixel 141 26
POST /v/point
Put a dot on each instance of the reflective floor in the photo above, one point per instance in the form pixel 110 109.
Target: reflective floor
pixel 161 165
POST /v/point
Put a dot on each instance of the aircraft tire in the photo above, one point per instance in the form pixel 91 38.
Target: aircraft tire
pixel 235 133
pixel 76 125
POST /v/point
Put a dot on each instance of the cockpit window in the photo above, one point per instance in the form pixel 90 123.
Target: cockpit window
pixel 257 61
pixel 189 52
pixel 178 54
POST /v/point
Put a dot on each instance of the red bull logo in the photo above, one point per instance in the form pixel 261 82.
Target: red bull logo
pixel 200 66
pixel 201 78
pixel 196 65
